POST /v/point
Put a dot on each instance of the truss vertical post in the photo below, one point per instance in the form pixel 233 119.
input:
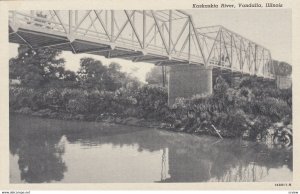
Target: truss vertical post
pixel 70 21
pixel 162 35
pixel 76 17
pixel 190 29
pixel 263 61
pixel 112 25
pixel 106 19
pixel 170 30
pixel 249 57
pixel 155 32
pixel 31 13
pixel 271 63
pixel 220 56
pixel 241 54
pixel 231 50
pixel 144 28
pixel 255 58
pixel 227 53
pixel 163 75
pixel 14 17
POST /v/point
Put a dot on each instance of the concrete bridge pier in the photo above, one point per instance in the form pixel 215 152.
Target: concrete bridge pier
pixel 188 80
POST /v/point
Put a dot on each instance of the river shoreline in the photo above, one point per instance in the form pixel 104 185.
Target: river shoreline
pixel 126 121
pixel 102 123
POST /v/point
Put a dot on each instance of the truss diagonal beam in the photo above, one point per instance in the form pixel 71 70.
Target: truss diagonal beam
pixel 156 36
pixel 133 28
pixel 160 32
pixel 123 27
pixel 102 24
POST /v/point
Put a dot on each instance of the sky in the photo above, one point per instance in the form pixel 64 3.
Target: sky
pixel 271 28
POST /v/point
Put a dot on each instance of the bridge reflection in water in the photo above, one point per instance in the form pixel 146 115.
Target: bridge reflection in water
pixel 44 150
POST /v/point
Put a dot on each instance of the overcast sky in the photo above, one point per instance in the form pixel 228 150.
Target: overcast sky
pixel 270 28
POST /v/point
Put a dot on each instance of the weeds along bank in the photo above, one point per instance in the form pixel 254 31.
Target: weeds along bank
pixel 248 110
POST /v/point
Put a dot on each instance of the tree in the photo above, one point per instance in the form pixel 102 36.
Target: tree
pixel 282 68
pixel 92 73
pixel 115 78
pixel 69 75
pixel 155 76
pixel 36 67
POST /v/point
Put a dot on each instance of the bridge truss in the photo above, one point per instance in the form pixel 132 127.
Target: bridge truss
pixel 161 37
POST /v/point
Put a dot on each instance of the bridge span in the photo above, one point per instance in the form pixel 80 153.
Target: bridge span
pixel 162 37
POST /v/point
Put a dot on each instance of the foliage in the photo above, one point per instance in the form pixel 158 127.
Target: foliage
pixel 251 107
pixel 94 75
pixel 99 91
pixel 260 126
pixel 36 67
pixel 282 68
pixel 155 76
pixel 146 101
pixel 91 73
pixel 232 111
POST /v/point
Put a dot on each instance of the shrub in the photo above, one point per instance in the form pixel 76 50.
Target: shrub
pixel 75 106
pixel 273 108
pixel 53 98
pixel 260 126
pixel 20 97
pixel 236 122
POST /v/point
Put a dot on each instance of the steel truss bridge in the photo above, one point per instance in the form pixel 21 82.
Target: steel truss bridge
pixel 161 37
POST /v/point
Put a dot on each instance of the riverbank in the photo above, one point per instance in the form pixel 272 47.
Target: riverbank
pixel 247 111
pixel 129 121
pixel 32 124
pixel 101 124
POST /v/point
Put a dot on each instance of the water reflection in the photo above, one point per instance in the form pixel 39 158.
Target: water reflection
pixel 70 151
pixel 39 155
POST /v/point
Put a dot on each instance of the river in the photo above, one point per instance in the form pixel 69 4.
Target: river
pixel 48 151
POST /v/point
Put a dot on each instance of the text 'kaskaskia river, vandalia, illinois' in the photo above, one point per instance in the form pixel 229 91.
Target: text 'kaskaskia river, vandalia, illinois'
pixel 239 5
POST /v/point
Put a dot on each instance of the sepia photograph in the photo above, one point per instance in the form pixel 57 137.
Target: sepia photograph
pixel 199 95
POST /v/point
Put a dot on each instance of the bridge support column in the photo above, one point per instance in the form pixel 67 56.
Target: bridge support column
pixel 188 80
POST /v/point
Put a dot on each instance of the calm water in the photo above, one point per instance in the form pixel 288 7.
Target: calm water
pixel 45 150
